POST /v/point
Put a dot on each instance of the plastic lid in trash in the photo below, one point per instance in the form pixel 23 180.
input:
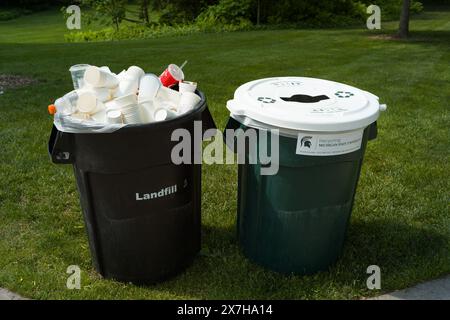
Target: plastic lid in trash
pixel 309 104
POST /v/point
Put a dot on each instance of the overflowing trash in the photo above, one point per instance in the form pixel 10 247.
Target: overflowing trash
pixel 103 101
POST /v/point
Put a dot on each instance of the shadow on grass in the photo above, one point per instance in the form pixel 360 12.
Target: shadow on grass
pixel 391 243
pixel 438 36
pixel 222 272
pixel 426 37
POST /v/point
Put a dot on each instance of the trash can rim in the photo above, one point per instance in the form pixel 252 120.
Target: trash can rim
pixel 305 104
pixel 287 132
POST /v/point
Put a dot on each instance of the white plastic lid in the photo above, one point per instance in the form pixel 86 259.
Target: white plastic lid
pixel 176 72
pixel 309 104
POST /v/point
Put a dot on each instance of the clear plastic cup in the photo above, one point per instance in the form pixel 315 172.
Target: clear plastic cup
pixel 77 72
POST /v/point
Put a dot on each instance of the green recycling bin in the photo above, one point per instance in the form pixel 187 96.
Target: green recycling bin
pixel 295 221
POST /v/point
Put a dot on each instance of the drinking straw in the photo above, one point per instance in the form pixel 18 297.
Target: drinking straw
pixel 184 63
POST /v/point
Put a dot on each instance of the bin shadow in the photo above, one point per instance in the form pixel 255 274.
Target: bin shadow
pixel 221 271
pixel 394 245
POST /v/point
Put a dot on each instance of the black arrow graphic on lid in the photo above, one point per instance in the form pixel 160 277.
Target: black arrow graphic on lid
pixel 304 98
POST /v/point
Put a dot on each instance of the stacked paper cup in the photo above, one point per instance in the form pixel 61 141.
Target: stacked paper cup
pixel 129 108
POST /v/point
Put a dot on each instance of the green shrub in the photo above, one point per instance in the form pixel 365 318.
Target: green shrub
pixel 390 9
pixel 129 32
pixel 9 14
pixel 12 13
pixel 325 13
pixel 226 13
pixel 144 32
pixel 171 16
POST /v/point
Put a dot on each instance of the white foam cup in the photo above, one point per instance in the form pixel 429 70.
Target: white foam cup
pixel 147 110
pixel 106 68
pixel 188 101
pixel 122 74
pixel 114 116
pixel 168 96
pixel 135 73
pixel 148 87
pixel 162 114
pixel 187 86
pixel 127 86
pixel 98 77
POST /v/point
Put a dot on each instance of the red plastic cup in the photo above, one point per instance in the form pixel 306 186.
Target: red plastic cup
pixel 171 76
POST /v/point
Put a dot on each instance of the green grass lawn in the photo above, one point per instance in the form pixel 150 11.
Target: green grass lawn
pixel 401 218
pixel 50 26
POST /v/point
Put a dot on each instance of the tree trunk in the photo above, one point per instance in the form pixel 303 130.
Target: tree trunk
pixel 116 23
pixel 144 9
pixel 403 30
pixel 258 13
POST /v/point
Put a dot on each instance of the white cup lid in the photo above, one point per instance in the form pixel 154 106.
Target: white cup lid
pixel 176 72
pixel 301 103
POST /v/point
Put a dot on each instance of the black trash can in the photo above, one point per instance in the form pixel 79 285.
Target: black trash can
pixel 142 212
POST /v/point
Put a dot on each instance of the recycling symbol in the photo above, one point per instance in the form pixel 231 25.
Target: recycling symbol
pixel 266 100
pixel 344 94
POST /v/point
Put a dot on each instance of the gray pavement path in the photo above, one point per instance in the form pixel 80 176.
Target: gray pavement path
pixel 8 295
pixel 432 290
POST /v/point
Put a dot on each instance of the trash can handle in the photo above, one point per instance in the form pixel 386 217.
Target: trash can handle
pixel 373 131
pixel 60 147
